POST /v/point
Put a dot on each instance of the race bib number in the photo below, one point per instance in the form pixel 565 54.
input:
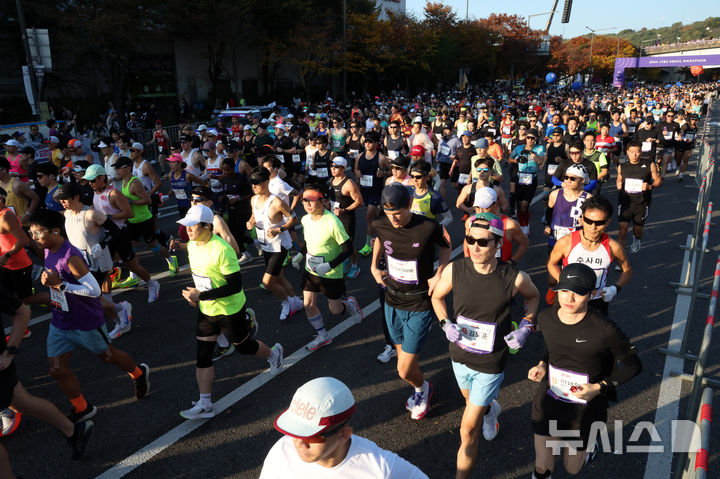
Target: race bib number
pixel 403 271
pixel 561 231
pixel 438 136
pixel 393 154
pixel 280 157
pixel 445 150
pixel 160 148
pixel 561 382
pixel 180 194
pixel 631 129
pixel 336 144
pixel 646 146
pixel 617 139
pixel 334 205
pixel 59 300
pixel 296 158
pixel 354 153
pixel 552 169
pixel 463 178
pixel 366 180
pixel 322 172
pixel 689 136
pixel 202 283
pixel 477 337
pixel 313 262
pixel 506 130
pixel 525 178
pixel 633 185
pixel 667 135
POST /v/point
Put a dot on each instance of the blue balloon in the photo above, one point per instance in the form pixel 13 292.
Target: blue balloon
pixel 576 85
pixel 678 83
pixel 669 85
pixel 550 77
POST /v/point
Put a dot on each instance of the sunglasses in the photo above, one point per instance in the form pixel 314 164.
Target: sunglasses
pixel 594 222
pixel 575 153
pixel 197 199
pixel 320 438
pixel 530 137
pixel 482 242
pixel 93 180
pixel 417 177
pixel 133 151
pixel 571 178
pixel 397 167
pixel 482 170
pixel 336 166
pixel 310 200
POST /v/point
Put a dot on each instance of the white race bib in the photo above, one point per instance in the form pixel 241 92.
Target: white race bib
pixel 354 153
pixel 561 381
pixel 336 143
pixel 668 135
pixel 438 136
pixel 552 169
pixel 393 154
pixel 366 180
pixel 525 178
pixel 202 283
pixel 646 146
pixel 180 194
pixel 477 337
pixel 561 231
pixel 689 136
pixel 334 205
pixel 58 299
pixel 445 150
pixel 506 130
pixel 633 185
pixel 322 172
pixel 313 262
pixel 296 158
pixel 631 129
pixel 617 139
pixel 280 157
pixel 462 179
pixel 403 271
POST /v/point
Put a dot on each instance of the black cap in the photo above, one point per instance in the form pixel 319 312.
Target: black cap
pixel 122 161
pixel 67 191
pixel 400 160
pixel 578 278
pixel 203 191
pixel 396 195
pixel 558 130
pixel 48 169
pixel 649 119
pixel 184 138
pixel 532 132
pixel 28 150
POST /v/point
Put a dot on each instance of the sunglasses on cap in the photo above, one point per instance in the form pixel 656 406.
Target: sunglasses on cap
pixel 482 242
pixel 594 222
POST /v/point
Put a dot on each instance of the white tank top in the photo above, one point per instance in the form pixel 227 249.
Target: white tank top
pixel 263 224
pixel 599 260
pixel 212 167
pixel 82 239
pixel 144 179
pixel 101 202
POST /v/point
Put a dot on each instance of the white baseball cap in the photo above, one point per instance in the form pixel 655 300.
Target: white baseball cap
pixel 197 214
pixel 578 171
pixel 340 161
pixel 12 143
pixel 138 146
pixel 316 406
pixel 280 126
pixel 247 127
pixel 102 144
pixel 485 197
pixel 202 128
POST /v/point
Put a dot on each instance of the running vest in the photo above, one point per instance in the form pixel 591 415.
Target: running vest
pixel 566 216
pixel 161 141
pixel 599 260
pixel 101 202
pixel 144 179
pixel 616 131
pixel 82 239
pixel 322 165
pixel 368 171
pixel 481 303
pixel 338 141
pixel 140 212
pixel 263 224
pixel 354 146
pixel 212 167
pixel 634 175
pixel 394 146
pixel 16 169
pixel 338 199
pixel 181 189
pixel 18 204
pixel 421 204
pixel 20 259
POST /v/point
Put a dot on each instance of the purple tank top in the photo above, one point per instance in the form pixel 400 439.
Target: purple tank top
pixel 83 313
pixel 566 216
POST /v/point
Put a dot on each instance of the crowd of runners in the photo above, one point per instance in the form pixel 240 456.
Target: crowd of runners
pixel 294 190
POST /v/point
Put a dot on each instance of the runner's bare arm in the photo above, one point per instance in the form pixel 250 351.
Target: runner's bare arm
pixel 442 289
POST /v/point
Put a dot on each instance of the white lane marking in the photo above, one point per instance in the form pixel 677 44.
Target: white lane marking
pixel 142 456
pixel 658 465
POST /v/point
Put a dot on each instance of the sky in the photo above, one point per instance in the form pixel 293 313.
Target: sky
pixel 622 14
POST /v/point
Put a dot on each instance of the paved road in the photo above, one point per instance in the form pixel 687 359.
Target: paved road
pixel 234 444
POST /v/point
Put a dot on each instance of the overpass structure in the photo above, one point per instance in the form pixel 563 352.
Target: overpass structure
pixel 667 60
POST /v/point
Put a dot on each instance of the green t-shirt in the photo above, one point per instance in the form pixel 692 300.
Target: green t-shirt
pixel 323 238
pixel 209 265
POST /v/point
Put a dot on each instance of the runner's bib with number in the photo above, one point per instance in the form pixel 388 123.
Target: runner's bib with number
pixel 322 172
pixel 403 271
pixel 366 180
pixel 506 130
pixel 313 262
pixel 445 150
pixel 552 169
pixel 334 205
pixel 58 299
pixel 477 336
pixel 438 136
pixel 180 194
pixel 561 231
pixel 631 129
pixel 633 185
pixel 202 283
pixel 668 135
pixel 296 158
pixel 689 136
pixel 336 143
pixel 462 179
pixel 393 154
pixel 561 381
pixel 280 157
pixel 525 178
pixel 646 146
pixel 354 153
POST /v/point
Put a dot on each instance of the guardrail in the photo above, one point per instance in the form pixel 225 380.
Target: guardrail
pixel 699 462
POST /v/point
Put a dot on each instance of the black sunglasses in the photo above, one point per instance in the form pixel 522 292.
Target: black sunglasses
pixel 571 178
pixel 133 151
pixel 197 199
pixel 480 241
pixel 594 222
pixel 417 177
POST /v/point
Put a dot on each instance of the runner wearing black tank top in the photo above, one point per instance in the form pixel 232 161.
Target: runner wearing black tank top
pixel 483 289
pixel 345 198
pixel 371 169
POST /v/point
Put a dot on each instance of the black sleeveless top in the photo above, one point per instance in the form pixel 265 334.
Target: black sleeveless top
pixel 336 195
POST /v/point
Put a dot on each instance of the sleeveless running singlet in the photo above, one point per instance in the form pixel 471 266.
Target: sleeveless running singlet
pixel 599 260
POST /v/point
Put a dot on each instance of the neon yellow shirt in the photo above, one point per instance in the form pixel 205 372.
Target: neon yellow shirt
pixel 209 265
pixel 323 238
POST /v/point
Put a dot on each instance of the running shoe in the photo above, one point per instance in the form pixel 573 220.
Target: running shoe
pixel 354 310
pixel 198 411
pixel 253 325
pixel 10 421
pixel 173 265
pixel 245 258
pixel 116 277
pixel 287 259
pixel 491 426
pixel 353 272
pixel 387 354
pixel 124 323
pixel 222 352
pixel 680 176
pixel 84 415
pixel 26 335
pixel 276 364
pixel 319 342
pixel 128 283
pixel 366 250
pixel 142 384
pixel 421 402
pixel 80 439
pixel 635 246
pixel 286 311
pixel 153 291
pixel 296 304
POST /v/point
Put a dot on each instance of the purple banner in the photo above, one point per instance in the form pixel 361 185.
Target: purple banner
pixel 660 62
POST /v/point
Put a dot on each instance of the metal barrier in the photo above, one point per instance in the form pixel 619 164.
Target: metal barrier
pixel 705 154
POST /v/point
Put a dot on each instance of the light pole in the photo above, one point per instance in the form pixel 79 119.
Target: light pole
pixel 592 41
pixel 344 52
pixel 642 47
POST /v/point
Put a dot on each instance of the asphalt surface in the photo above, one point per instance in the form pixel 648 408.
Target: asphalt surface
pixel 235 442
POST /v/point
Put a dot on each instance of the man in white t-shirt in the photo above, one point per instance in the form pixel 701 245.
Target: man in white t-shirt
pixel 319 442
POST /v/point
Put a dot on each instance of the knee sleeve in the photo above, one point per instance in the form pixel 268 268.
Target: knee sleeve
pixel 205 351
pixel 156 249
pixel 249 347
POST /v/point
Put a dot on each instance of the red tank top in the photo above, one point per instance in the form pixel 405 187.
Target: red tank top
pixel 20 259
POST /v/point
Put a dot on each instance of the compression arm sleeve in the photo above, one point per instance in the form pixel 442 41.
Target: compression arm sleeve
pixel 88 287
pixel 556 181
pixel 344 254
pixel 233 286
pixel 590 186
pixel 548 215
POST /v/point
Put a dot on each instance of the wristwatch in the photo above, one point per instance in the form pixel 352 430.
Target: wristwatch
pixel 62 286
pixel 442 323
pixel 12 350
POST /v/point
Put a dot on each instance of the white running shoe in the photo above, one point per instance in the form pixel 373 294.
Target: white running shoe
pixel 277 364
pixel 153 291
pixel 245 258
pixel 355 310
pixel 490 422
pixel 296 304
pixel 421 401
pixel 319 342
pixel 286 309
pixel 9 420
pixel 198 411
pixel 387 354
pixel 635 246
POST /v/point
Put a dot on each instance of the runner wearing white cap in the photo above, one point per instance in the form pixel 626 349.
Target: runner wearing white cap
pixel 318 441
pixel 562 215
